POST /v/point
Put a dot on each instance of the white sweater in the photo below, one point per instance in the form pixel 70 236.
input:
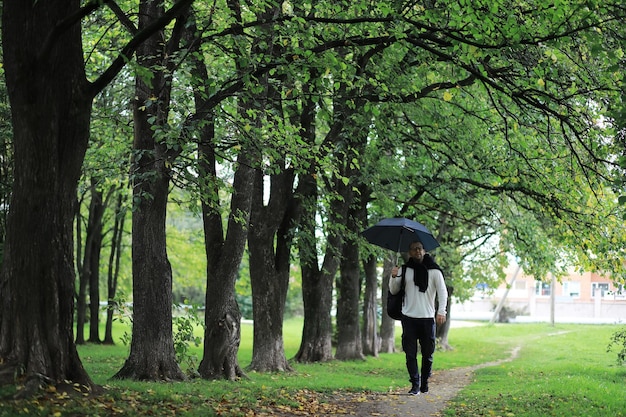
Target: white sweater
pixel 421 304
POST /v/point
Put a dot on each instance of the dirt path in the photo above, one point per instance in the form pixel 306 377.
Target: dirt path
pixel 444 386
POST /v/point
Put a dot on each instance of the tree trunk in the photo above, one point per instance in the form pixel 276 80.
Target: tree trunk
pixel 89 267
pixel 152 355
pixel 349 288
pixel 269 244
pixel 224 254
pixel 371 342
pixel 442 331
pixel 317 283
pixel 50 113
pixel 114 267
pixel 222 334
pixel 6 165
pixel 222 317
pixel 316 344
pixel 269 240
pixel 91 262
pixel 81 295
pixel 51 107
pixel 349 340
pixel 94 239
pixel 388 325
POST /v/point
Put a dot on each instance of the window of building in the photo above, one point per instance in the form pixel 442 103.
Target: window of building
pixel 571 289
pixel 599 289
pixel 542 288
pixel 519 285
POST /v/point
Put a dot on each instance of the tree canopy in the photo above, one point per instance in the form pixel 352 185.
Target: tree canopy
pixel 292 125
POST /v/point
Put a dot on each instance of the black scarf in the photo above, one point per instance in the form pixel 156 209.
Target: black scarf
pixel 420 274
pixel 420 271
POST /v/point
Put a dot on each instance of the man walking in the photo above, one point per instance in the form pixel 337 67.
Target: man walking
pixel 422 282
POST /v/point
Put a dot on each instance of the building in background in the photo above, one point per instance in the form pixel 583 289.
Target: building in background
pixel 576 298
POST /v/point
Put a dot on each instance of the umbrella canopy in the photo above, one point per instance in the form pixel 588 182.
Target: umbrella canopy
pixel 398 233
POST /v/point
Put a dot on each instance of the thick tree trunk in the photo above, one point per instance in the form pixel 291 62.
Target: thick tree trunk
pixel 371 340
pixel 222 316
pixel 269 240
pixel 51 107
pixel 316 344
pixel 152 355
pixel 50 113
pixel 388 325
pixel 349 344
pixel 269 244
pixel 222 333
pixel 317 283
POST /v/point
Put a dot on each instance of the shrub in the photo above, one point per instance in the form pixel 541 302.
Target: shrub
pixel 618 343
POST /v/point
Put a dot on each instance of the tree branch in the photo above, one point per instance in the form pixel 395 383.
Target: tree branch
pixel 125 55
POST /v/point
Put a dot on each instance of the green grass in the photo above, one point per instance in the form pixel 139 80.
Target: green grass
pixel 563 370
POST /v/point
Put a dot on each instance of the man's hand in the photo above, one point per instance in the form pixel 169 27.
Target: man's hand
pixel 441 319
pixel 394 271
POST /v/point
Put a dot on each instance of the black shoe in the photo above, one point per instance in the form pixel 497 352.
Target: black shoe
pixel 424 388
pixel 415 390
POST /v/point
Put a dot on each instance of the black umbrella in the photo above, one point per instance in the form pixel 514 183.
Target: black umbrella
pixel 398 233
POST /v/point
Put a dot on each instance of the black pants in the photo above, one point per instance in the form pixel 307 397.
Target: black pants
pixel 422 331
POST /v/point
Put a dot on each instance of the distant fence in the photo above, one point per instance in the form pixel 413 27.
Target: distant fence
pixel 566 309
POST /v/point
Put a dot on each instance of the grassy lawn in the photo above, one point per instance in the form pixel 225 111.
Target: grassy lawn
pixel 561 371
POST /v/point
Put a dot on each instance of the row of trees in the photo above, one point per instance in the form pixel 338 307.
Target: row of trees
pixel 293 125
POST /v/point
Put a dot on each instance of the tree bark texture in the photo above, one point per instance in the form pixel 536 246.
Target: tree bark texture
pixel 224 253
pixel 81 295
pixel 349 344
pixel 152 355
pixel 371 339
pixel 114 267
pixel 269 244
pixel 317 283
pixel 349 338
pixel 93 246
pixel 222 316
pixel 316 344
pixel 270 239
pixel 222 334
pixel 51 107
pixel 388 325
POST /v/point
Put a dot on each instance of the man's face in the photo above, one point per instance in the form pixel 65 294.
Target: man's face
pixel 416 251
